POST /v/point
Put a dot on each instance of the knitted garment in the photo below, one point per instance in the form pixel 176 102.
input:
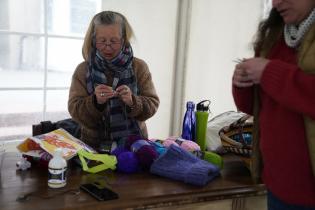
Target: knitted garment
pixel 179 164
pixel 117 124
pixel 294 34
pixel 286 93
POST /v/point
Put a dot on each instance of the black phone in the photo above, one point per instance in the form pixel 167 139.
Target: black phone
pixel 99 192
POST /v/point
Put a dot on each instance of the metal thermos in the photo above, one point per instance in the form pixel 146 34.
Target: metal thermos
pixel 189 122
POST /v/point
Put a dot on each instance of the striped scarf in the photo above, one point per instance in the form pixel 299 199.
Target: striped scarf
pixel 118 126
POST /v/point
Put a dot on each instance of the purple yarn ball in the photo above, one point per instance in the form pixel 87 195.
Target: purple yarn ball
pixel 131 139
pixel 127 162
pixel 118 150
pixel 146 155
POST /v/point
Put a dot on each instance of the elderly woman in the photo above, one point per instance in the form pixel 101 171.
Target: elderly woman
pixel 112 93
pixel 278 87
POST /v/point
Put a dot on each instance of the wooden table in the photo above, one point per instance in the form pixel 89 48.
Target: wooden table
pixel 136 191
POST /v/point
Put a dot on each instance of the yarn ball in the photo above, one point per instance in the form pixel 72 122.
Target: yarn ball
pixel 159 148
pixel 189 146
pixel 132 139
pixel 118 150
pixel 169 142
pixel 172 138
pixel 127 162
pixel 145 153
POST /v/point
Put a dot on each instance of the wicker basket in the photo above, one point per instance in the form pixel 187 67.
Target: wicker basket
pixel 237 137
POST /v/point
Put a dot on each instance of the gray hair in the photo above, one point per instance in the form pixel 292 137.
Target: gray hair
pixel 106 18
pixel 110 18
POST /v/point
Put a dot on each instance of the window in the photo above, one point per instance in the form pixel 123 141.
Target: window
pixel 39 50
pixel 41 40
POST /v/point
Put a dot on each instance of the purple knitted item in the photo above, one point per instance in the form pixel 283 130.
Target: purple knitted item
pixel 179 164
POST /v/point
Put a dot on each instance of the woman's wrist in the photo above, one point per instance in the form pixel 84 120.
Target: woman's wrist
pixel 98 106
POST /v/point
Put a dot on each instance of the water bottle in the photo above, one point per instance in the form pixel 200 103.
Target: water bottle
pixel 189 122
pixel 57 168
pixel 202 114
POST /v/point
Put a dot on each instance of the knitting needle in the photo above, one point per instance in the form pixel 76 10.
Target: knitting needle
pixel 238 60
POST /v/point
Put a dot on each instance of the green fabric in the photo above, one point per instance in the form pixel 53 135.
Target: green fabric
pixel 306 55
pixel 307 63
pixel 108 161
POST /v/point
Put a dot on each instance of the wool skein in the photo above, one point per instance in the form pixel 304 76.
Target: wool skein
pixel 158 146
pixel 127 162
pixel 132 139
pixel 187 145
pixel 145 153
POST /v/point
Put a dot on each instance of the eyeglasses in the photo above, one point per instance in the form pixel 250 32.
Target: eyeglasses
pixel 113 44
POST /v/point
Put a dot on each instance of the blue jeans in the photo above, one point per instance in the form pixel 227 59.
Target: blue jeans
pixel 276 204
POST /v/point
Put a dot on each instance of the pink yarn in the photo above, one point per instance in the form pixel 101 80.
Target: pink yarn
pixel 190 146
pixel 187 145
pixel 167 143
pixel 173 138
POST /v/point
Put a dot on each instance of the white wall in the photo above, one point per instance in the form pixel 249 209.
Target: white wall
pixel 221 30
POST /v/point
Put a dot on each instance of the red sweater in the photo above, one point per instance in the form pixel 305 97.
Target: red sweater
pixel 287 93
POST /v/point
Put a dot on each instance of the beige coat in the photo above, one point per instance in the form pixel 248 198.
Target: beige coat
pixel 83 110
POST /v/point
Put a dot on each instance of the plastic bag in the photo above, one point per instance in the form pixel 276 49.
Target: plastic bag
pixel 213 140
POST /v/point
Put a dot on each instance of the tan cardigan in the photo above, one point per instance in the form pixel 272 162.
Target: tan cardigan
pixel 83 110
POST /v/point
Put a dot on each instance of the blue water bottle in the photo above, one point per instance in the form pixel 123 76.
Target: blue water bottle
pixel 189 122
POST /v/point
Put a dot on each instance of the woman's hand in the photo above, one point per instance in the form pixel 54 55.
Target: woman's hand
pixel 240 77
pixel 125 94
pixel 249 72
pixel 103 93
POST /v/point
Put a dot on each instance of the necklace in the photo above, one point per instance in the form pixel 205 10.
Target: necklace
pixel 293 34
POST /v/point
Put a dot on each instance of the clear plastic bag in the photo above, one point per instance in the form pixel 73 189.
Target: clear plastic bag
pixel 215 124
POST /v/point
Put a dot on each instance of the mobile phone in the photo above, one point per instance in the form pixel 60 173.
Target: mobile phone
pixel 98 192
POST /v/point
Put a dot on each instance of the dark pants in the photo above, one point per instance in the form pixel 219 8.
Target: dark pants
pixel 276 204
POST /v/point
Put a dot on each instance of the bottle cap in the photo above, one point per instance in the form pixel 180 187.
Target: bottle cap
pixel 190 105
pixel 203 106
